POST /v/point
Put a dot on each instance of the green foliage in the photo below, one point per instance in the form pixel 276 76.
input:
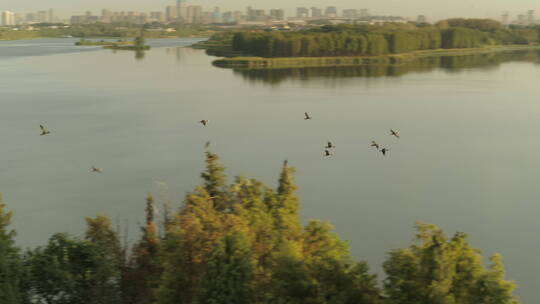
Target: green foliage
pixel 243 243
pixel 364 40
pixel 142 274
pixel 229 274
pixel 64 271
pixel 12 272
pixel 436 270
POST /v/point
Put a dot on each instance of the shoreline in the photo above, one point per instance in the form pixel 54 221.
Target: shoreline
pixel 388 59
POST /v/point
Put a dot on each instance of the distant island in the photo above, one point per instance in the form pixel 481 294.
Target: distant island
pixel 136 45
pixel 347 45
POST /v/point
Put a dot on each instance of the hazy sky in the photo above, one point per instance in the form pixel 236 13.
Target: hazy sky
pixel 434 9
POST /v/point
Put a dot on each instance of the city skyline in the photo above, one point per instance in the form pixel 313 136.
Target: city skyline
pixel 433 9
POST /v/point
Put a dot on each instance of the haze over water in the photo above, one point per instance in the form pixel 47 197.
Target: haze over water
pixel 467 158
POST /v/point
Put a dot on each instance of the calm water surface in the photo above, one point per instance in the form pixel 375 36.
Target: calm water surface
pixel 468 158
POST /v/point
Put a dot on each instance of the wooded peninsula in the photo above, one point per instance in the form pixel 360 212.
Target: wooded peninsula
pixel 335 45
pixel 241 243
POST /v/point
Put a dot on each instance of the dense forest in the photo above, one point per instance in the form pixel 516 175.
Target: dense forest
pixel 241 243
pixel 371 40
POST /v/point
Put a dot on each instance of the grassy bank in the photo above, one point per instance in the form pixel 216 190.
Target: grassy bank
pixel 390 59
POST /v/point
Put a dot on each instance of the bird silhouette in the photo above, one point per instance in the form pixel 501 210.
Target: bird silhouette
pixel 327 153
pixel 44 131
pixel 394 133
pixel 329 145
pixel 384 151
pixel 306 116
pixel 376 145
pixel 96 170
pixel 204 122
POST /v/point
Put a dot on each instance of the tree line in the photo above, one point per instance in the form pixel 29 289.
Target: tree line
pixel 241 243
pixel 364 40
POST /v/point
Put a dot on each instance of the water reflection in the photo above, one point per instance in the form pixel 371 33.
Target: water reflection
pixel 451 64
pixel 181 53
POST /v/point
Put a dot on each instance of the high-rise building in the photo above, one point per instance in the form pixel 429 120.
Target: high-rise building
pixel 194 14
pixel 171 13
pixel 316 12
pixel 217 17
pixel 106 16
pixel 42 16
pixel 277 14
pixel 50 16
pixel 331 11
pixel 8 18
pixel 182 9
pixel 302 12
pixel 530 17
pixel 505 18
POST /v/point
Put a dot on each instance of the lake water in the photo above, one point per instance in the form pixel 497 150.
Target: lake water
pixel 467 159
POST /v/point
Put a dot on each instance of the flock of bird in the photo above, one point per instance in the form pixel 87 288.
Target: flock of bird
pixel 330 145
pixel 327 149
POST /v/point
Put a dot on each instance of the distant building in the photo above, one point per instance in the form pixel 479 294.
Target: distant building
pixel 277 14
pixel 86 19
pixel 522 19
pixel 364 13
pixel 351 13
pixel 194 14
pixel 50 16
pixel 258 15
pixel 42 16
pixel 505 18
pixel 302 12
pixel 181 10
pixel 171 13
pixel 157 16
pixel 530 17
pixel 421 19
pixel 331 11
pixel 316 12
pixel 106 16
pixel 7 18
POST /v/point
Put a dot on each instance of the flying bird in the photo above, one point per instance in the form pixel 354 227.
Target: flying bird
pixel 384 151
pixel 329 145
pixel 394 133
pixel 327 153
pixel 376 145
pixel 44 131
pixel 204 122
pixel 306 116
pixel 96 170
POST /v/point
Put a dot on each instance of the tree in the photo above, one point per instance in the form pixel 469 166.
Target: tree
pixel 437 270
pixel 143 272
pixel 12 273
pixel 105 278
pixel 214 180
pixel 63 271
pixel 228 279
pixel 286 208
